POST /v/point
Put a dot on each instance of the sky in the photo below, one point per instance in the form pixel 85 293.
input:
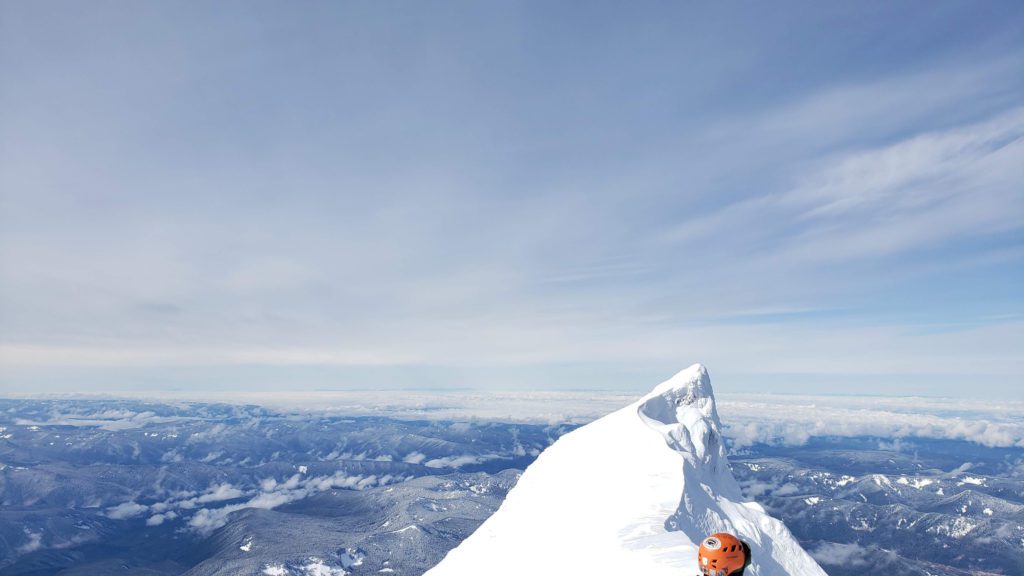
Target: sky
pixel 807 197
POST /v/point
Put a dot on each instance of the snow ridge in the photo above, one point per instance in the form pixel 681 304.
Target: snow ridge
pixel 634 492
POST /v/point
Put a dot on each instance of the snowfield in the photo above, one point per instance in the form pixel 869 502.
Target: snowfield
pixel 631 493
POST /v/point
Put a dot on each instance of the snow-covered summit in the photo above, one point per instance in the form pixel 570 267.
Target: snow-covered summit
pixel 632 493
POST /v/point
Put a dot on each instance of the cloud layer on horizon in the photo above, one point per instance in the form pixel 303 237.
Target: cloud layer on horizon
pixel 784 419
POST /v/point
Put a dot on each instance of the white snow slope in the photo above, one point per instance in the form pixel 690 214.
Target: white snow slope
pixel 632 493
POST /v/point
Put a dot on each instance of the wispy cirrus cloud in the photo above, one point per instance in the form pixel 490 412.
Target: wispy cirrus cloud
pixel 920 192
pixel 396 210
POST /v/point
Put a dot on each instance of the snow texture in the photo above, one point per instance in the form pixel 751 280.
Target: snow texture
pixel 632 493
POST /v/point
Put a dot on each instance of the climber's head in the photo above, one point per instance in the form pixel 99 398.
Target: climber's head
pixel 721 555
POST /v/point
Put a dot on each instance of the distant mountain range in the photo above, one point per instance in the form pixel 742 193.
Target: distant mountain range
pixel 108 486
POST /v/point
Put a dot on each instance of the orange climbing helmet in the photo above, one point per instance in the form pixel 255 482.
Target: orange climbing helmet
pixel 722 554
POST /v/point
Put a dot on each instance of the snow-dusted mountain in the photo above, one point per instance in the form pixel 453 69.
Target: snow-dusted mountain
pixel 632 493
pixel 99 487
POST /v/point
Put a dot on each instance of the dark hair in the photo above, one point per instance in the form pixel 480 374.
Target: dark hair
pixel 746 555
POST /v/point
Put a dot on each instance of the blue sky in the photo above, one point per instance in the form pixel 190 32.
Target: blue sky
pixel 806 197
